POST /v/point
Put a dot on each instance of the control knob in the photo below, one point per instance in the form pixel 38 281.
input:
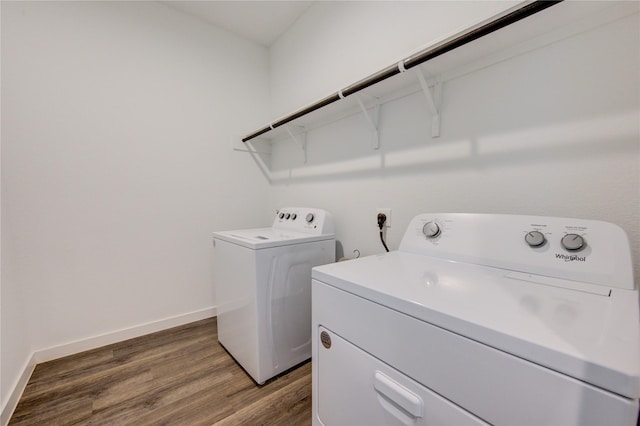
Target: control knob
pixel 293 216
pixel 573 242
pixel 281 215
pixel 309 218
pixel 535 238
pixel 431 229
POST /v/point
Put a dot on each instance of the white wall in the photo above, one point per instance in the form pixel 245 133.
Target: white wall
pixel 116 167
pixel 551 132
pixel 336 43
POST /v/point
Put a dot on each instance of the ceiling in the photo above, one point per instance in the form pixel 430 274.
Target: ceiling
pixel 260 21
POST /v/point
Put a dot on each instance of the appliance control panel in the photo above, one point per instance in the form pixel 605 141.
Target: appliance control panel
pixel 304 219
pixel 572 249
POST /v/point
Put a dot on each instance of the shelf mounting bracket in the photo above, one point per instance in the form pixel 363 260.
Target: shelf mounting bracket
pixel 373 121
pixel 300 138
pixel 433 101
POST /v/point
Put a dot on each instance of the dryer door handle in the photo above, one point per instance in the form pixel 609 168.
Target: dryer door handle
pixel 402 397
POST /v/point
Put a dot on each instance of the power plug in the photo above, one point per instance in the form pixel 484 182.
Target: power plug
pixel 382 218
pixel 387 214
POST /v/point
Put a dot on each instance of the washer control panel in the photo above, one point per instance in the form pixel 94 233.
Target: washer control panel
pixel 304 219
pixel 573 249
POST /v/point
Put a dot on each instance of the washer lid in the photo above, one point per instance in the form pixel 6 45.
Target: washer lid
pixel 592 336
pixel 261 238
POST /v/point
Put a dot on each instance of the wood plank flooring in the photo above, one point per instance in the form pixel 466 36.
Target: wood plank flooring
pixel 179 376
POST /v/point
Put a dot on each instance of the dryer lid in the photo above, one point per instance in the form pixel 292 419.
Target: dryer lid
pixel 591 335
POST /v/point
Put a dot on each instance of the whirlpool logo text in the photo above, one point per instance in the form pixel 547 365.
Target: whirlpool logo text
pixel 571 257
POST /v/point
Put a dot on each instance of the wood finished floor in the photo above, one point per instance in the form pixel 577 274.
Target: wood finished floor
pixel 179 376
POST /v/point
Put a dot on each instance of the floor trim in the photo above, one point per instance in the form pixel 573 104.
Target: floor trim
pixel 18 388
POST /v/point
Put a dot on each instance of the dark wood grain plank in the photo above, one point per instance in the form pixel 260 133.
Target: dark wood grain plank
pixel 69 412
pixel 177 376
pixel 276 407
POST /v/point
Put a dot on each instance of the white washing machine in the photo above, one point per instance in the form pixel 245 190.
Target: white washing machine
pixel 480 319
pixel 262 279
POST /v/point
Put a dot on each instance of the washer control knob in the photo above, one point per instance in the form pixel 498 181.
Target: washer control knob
pixel 573 242
pixel 309 218
pixel 281 215
pixel 293 216
pixel 288 215
pixel 535 238
pixel 431 229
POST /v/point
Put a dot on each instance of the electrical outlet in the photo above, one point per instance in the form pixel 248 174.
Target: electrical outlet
pixel 387 213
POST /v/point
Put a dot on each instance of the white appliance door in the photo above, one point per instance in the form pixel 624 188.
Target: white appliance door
pixel 289 301
pixel 356 388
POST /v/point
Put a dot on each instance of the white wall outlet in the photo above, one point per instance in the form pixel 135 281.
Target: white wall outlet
pixel 387 213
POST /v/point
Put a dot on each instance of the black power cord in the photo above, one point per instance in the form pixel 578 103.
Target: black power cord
pixel 382 218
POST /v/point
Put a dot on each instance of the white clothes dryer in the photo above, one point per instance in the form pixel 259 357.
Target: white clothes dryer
pixel 262 281
pixel 476 319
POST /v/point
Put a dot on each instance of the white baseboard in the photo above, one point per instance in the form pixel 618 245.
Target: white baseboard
pixel 71 348
pixel 14 396
pixel 89 343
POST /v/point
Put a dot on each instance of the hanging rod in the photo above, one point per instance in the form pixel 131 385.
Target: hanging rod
pixel 413 61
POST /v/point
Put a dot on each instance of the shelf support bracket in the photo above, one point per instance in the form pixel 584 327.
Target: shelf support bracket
pixel 433 101
pixel 300 138
pixel 373 122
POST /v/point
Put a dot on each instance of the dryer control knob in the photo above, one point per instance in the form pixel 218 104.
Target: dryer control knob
pixel 573 242
pixel 310 217
pixel 288 215
pixel 431 229
pixel 293 216
pixel 535 238
pixel 281 215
